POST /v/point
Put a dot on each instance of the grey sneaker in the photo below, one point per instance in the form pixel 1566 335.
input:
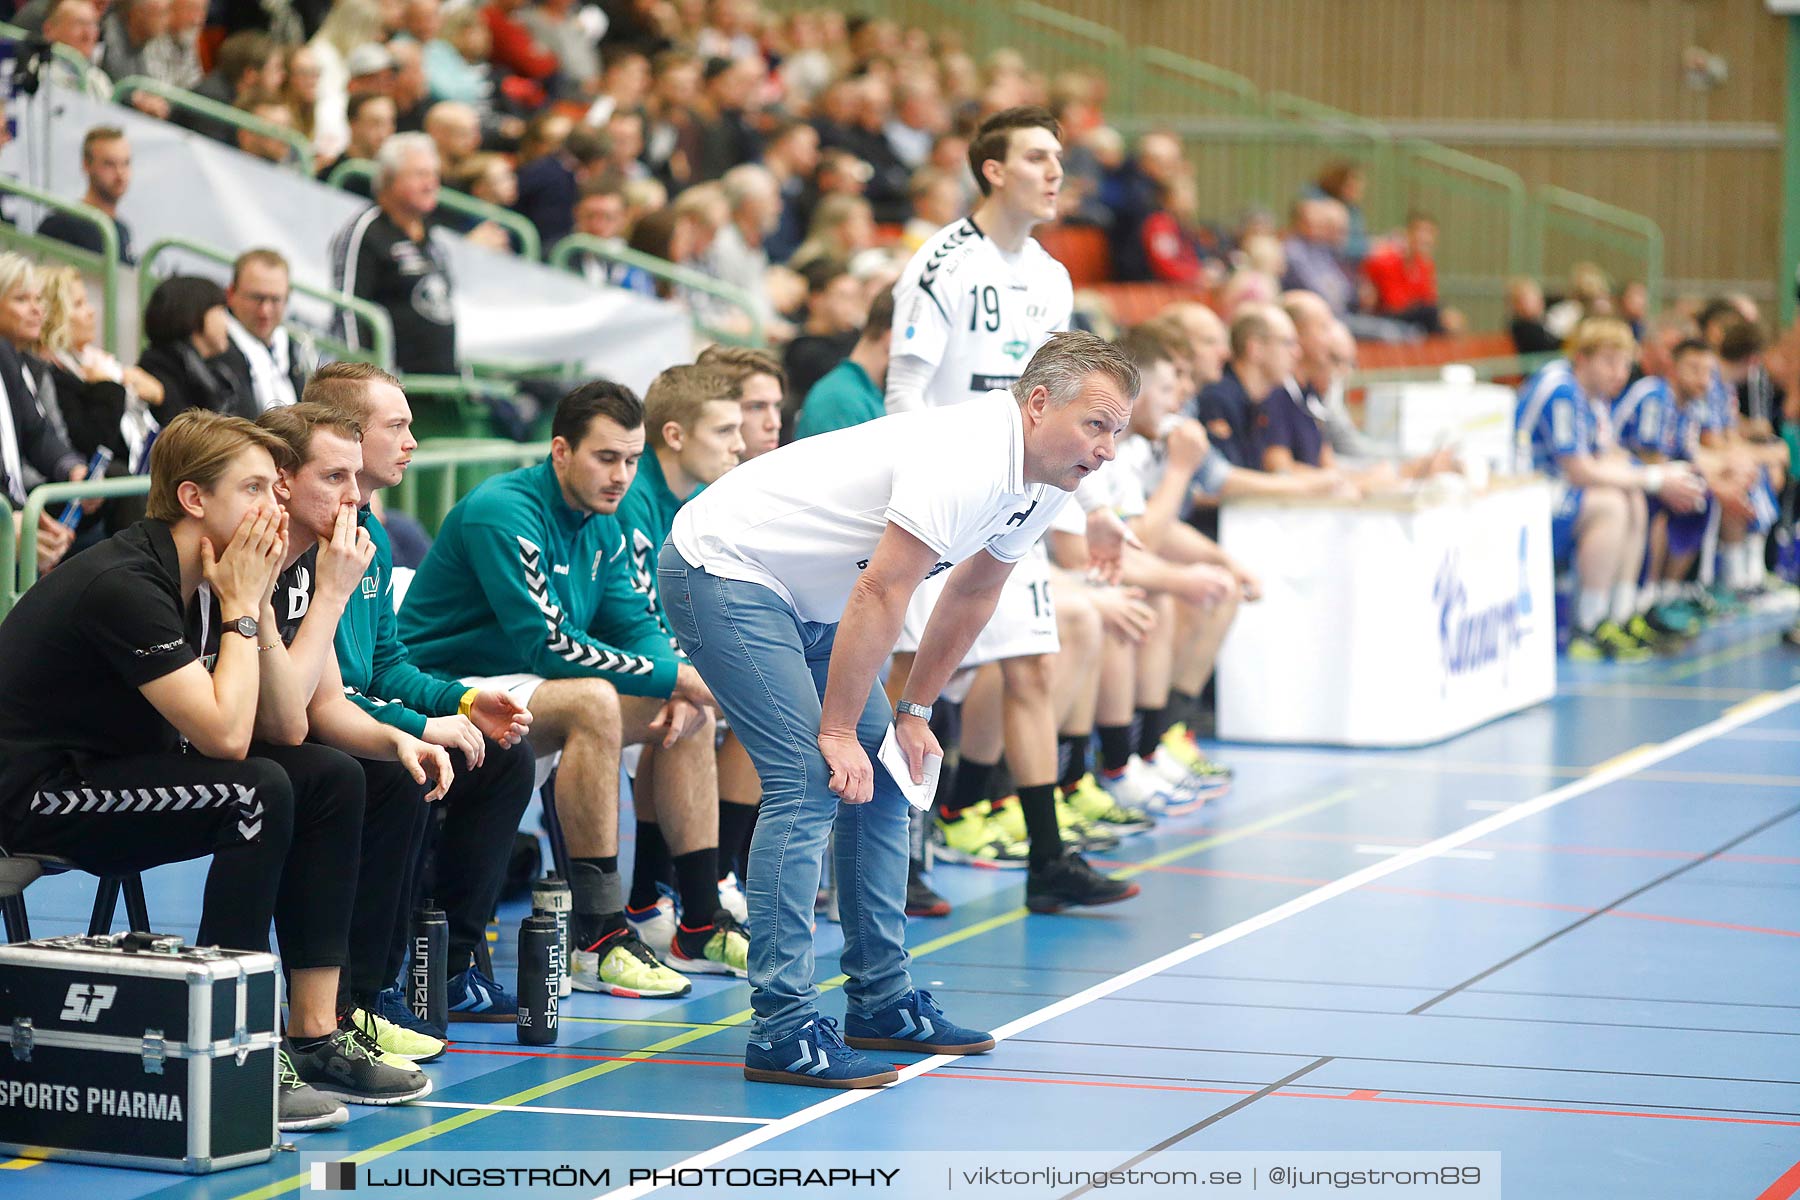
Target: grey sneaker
pixel 302 1108
pixel 348 1067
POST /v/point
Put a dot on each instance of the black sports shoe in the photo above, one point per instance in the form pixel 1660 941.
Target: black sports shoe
pixel 1792 636
pixel 921 900
pixel 347 1066
pixel 301 1107
pixel 1070 882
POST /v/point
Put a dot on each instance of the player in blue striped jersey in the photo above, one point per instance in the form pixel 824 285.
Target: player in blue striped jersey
pixel 1564 431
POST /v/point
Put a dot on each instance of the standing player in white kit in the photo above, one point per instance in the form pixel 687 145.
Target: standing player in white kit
pixel 973 305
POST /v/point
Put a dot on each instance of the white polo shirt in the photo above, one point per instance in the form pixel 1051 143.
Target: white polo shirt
pixel 804 520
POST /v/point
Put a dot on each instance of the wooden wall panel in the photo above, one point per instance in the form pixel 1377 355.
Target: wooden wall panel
pixel 1558 62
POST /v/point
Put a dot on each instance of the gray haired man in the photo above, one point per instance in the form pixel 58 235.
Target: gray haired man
pixel 808 556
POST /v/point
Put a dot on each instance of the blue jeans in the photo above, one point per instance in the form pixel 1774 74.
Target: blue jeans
pixel 767 668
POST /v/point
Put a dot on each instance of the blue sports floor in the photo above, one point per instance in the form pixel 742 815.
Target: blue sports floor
pixel 1571 937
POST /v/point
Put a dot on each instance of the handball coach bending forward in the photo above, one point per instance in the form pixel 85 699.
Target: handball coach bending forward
pixel 785 583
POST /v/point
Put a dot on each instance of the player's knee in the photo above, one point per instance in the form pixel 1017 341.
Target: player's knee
pixel 1026 677
pixel 597 711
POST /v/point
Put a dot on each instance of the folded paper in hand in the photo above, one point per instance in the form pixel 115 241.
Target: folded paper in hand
pixel 919 795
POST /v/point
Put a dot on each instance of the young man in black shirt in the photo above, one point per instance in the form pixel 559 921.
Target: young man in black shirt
pixel 327 555
pixel 387 255
pixel 120 751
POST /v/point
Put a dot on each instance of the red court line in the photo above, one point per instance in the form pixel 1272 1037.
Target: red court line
pixel 1364 1095
pixel 1469 897
pixel 1782 1188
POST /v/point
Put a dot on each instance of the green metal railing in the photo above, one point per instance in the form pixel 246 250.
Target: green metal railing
pixel 1256 148
pixel 456 468
pixel 530 244
pixel 1573 227
pixel 381 326
pixel 224 114
pixel 106 262
pixel 562 257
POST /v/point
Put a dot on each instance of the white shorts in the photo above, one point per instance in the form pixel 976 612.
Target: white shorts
pixel 522 687
pixel 1024 621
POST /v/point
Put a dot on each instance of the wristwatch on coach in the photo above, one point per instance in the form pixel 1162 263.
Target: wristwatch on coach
pixel 908 708
pixel 243 625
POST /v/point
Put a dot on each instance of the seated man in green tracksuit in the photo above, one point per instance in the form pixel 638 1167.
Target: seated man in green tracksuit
pixel 528 590
pixel 484 730
pixel 694 431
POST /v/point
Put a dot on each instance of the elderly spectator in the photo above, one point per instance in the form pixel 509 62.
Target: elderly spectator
pixel 455 129
pixel 918 119
pixel 351 25
pixel 188 327
pixel 175 60
pixel 131 35
pixel 422 20
pixel 1312 248
pixel 264 361
pixel 561 27
pixel 388 255
pixel 550 185
pixel 106 161
pixel 737 256
pixel 76 24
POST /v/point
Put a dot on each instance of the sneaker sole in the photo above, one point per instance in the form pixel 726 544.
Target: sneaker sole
pixel 906 1047
pixel 959 858
pixel 759 1075
pixel 1048 904
pixel 940 909
pixel 419 1093
pixel 611 989
pixel 331 1120
pixel 702 966
pixel 1125 828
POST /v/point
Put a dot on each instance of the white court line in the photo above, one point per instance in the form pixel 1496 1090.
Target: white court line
pixel 1377 848
pixel 1621 768
pixel 593 1112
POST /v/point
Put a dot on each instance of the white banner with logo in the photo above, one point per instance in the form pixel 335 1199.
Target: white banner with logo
pixel 1389 623
pixel 185 185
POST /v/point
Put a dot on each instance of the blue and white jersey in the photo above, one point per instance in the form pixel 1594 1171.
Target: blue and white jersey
pixel 1647 418
pixel 1721 404
pixel 1692 419
pixel 1556 419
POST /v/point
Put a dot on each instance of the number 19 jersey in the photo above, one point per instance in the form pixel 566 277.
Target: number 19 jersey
pixel 976 312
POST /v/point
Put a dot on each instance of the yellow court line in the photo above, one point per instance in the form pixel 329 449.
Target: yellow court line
pixel 1743 704
pixel 19 1164
pixel 1619 760
pixel 696 1033
pixel 1708 661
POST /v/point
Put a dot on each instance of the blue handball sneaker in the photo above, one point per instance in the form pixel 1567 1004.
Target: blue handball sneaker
pixel 390 1006
pixel 814 1056
pixel 914 1022
pixel 475 997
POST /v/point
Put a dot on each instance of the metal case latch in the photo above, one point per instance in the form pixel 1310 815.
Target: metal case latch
pixel 155 1053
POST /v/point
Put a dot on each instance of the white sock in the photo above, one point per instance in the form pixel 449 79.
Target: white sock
pixel 1647 596
pixel 1671 590
pixel 1624 602
pixel 1590 608
pixel 1755 546
pixel 1737 565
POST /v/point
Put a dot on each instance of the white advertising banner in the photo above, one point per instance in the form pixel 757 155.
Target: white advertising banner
pixel 1389 623
pixel 185 185
pixel 1420 418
